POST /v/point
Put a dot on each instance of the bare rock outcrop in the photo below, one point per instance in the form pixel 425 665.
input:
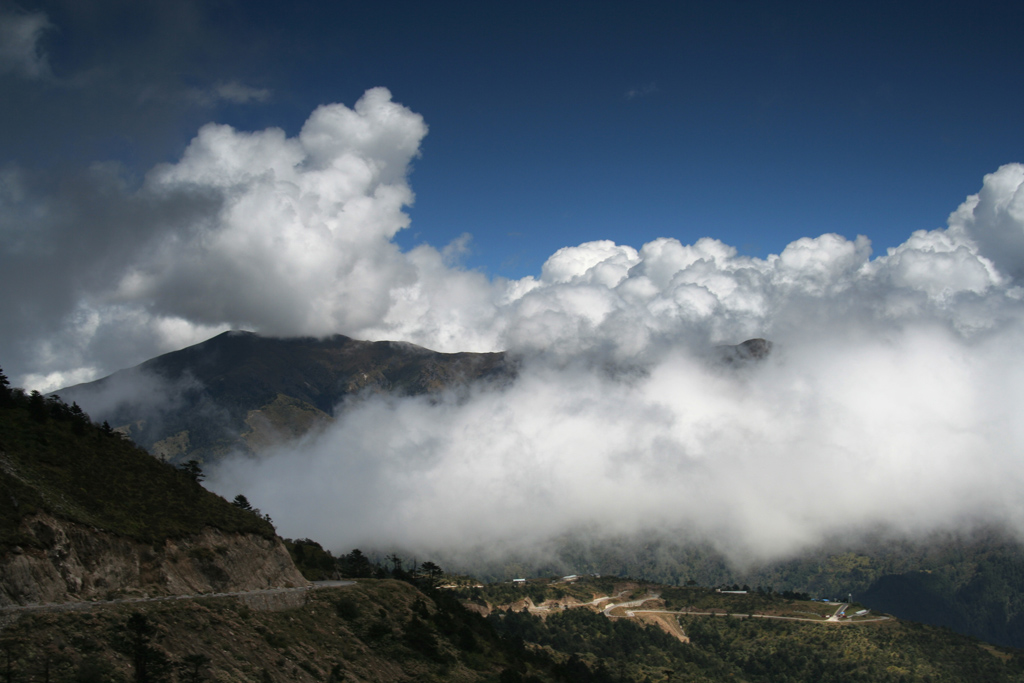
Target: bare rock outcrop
pixel 71 562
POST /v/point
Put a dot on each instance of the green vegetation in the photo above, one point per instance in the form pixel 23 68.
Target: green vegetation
pixel 737 648
pixel 390 630
pixel 318 564
pixel 375 630
pixel 54 459
pixel 986 600
pixel 971 581
pixel 315 563
pixel 759 602
pixel 772 650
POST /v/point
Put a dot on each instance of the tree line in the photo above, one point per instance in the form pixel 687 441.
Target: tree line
pixel 318 564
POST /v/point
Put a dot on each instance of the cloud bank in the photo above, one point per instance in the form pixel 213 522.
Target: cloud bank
pixel 839 433
pixel 890 399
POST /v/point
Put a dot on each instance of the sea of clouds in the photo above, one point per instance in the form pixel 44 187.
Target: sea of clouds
pixel 891 397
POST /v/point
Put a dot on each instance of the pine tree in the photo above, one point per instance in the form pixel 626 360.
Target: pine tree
pixel 193 470
pixel 37 407
pixel 6 398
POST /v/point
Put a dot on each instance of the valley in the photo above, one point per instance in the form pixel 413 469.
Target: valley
pixel 402 630
pixel 113 559
pixel 242 393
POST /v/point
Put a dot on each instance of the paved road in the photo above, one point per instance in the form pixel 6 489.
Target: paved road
pixel 630 603
pixel 740 615
pixel 548 608
pixel 839 610
pixel 79 606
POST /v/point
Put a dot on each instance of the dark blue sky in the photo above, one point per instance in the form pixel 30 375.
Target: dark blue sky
pixel 553 124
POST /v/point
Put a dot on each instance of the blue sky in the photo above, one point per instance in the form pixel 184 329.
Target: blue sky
pixel 550 125
pixel 553 124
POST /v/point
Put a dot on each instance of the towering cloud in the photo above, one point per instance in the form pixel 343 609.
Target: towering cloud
pixel 257 230
pixel 994 218
pixel 302 237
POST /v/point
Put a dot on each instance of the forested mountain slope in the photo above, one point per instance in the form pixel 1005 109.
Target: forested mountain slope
pixel 389 630
pixel 242 391
pixel 86 514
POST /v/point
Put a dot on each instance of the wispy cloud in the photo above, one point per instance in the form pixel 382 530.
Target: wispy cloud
pixel 241 94
pixel 20 51
pixel 641 91
pixel 233 92
pixel 237 93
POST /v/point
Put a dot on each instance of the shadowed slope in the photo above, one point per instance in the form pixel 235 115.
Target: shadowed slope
pixel 239 390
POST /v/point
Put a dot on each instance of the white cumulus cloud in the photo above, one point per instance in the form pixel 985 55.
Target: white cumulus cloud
pixel 897 374
pixel 302 240
pixel 994 218
pixel 294 235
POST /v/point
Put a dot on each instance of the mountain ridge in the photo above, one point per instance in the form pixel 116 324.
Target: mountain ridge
pixel 240 391
pixel 204 396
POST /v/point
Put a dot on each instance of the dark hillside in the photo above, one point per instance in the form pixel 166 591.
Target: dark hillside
pixel 85 515
pixel 984 599
pixel 386 630
pixel 55 461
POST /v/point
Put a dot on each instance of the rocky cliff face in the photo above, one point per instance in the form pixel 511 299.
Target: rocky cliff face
pixel 72 562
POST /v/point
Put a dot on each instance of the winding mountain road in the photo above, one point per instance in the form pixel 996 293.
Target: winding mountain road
pixel 628 604
pixel 87 605
pixel 630 614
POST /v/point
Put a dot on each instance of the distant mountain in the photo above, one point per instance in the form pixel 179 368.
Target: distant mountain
pixel 750 350
pixel 241 391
